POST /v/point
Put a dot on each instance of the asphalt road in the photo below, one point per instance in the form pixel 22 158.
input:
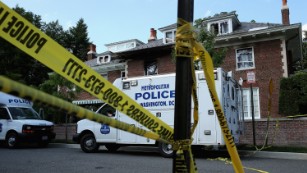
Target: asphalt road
pixel 129 159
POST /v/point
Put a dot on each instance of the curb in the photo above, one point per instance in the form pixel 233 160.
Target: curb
pixel 274 155
pixel 257 154
pixel 63 145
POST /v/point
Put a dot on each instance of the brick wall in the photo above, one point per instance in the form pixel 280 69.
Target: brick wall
pixel 164 62
pixel 65 131
pixel 268 64
pixel 289 132
pixel 112 75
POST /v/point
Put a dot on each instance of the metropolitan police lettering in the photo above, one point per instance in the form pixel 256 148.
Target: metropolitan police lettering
pixel 155 96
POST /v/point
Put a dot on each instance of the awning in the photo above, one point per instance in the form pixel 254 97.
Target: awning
pixel 87 102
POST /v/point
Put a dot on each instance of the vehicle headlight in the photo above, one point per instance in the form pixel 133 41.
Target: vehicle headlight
pixel 27 129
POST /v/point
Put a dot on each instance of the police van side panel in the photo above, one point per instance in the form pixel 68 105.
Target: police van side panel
pixel 154 93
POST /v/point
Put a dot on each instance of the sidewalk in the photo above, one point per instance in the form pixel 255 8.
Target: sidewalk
pixel 258 154
pixel 274 155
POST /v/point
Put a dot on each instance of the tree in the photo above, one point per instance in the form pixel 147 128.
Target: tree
pixel 77 40
pixel 59 87
pixel 55 31
pixel 16 64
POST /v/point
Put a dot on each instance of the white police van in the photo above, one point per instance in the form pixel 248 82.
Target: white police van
pixel 19 122
pixel 157 94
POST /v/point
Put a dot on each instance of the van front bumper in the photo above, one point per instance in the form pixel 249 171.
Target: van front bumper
pixel 36 137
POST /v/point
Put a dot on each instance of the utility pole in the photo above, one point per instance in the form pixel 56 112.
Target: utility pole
pixel 182 120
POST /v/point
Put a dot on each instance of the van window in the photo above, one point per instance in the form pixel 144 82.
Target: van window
pixel 19 113
pixel 107 110
pixel 4 114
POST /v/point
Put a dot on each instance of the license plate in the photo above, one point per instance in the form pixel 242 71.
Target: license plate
pixel 44 137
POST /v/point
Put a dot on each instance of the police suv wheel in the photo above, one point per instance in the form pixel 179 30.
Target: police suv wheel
pixel 166 150
pixel 11 140
pixel 88 143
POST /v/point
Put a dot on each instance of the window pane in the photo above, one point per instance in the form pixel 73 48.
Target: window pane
pixel 245 58
pixel 247 103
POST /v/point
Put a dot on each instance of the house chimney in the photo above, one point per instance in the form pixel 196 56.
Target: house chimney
pixel 91 54
pixel 153 35
pixel 285 13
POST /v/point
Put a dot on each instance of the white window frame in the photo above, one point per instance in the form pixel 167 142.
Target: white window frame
pixel 221 30
pixel 247 109
pixel 173 36
pixel 245 62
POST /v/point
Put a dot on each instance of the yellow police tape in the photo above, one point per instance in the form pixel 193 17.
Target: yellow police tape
pixel 183 49
pixel 20 90
pixel 25 36
pixel 227 161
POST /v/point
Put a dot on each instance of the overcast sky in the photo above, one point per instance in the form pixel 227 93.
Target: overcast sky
pixel 111 21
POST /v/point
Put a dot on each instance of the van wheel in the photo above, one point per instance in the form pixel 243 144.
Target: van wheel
pixel 11 140
pixel 88 143
pixel 166 150
pixel 112 147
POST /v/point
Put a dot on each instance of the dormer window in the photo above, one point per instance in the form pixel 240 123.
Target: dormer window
pixel 219 27
pixel 170 36
pixel 103 59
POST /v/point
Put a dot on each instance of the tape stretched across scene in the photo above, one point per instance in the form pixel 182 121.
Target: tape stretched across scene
pixel 25 36
pixel 20 90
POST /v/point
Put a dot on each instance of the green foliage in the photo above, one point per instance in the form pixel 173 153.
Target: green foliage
pixel 55 31
pixel 59 87
pixel 20 67
pixel 293 95
pixel 302 64
pixel 208 41
pixel 16 64
pixel 77 40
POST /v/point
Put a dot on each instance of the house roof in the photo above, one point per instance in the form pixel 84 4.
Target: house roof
pixel 150 45
pixel 125 41
pixel 169 27
pixel 248 29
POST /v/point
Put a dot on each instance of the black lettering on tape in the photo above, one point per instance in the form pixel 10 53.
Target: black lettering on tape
pixel 22 33
pixel 117 100
pixel 2 19
pixel 76 70
pixel 10 24
pixel 66 65
pixel 16 28
pixel 14 32
pixel 23 41
pixel 154 127
pixel 87 82
pixel 124 105
pixel 79 77
pixel 33 39
pixel 41 42
pixel 130 109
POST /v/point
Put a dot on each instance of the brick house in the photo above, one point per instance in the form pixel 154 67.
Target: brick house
pixel 269 50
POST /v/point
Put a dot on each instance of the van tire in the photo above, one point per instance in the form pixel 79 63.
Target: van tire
pixel 112 147
pixel 88 143
pixel 166 150
pixel 11 140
